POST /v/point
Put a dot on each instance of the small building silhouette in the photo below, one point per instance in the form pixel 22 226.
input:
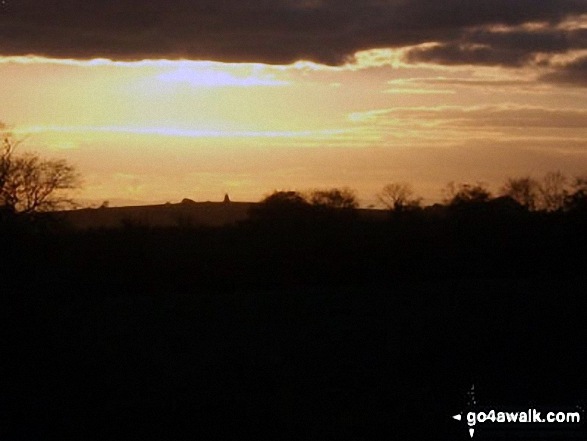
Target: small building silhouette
pixel 226 199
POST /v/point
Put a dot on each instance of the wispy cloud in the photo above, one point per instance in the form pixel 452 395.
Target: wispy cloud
pixel 181 133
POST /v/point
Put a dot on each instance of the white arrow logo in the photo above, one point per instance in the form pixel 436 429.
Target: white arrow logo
pixel 459 417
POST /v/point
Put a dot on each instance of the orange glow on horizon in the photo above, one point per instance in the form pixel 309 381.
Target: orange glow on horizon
pixel 156 130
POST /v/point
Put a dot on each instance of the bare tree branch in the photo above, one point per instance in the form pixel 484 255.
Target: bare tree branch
pixel 398 196
pixel 31 184
pixel 525 191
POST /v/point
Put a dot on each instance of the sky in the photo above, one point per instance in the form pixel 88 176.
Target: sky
pixel 158 101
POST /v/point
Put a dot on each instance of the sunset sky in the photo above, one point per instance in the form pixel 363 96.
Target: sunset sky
pixel 155 101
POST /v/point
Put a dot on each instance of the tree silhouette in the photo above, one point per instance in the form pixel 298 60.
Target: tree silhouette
pixel 553 191
pixel 29 183
pixel 280 205
pixel 466 194
pixel 284 198
pixel 334 198
pixel 577 199
pixel 398 196
pixel 6 157
pixel 525 191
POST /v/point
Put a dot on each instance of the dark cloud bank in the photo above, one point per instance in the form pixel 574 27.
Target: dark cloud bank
pixel 284 31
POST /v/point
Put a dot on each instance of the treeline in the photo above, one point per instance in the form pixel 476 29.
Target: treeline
pixel 320 238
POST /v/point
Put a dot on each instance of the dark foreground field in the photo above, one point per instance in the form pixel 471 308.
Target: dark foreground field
pixel 362 363
pixel 329 329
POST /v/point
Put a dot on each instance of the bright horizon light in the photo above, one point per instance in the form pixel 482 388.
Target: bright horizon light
pixel 153 130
